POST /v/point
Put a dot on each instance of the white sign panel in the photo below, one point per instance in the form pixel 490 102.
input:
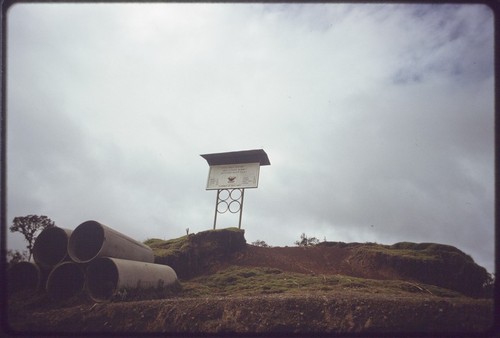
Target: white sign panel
pixel 233 176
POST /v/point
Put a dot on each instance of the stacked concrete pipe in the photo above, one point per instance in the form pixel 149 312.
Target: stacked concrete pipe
pixel 92 239
pixel 24 276
pixel 112 262
pixel 51 247
pixel 66 280
pixel 93 257
pixel 107 277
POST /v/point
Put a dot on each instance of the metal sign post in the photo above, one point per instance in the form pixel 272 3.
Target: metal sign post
pixel 226 201
pixel 230 174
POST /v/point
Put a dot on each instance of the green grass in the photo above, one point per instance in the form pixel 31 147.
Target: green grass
pixel 403 250
pixel 251 281
pixel 248 281
pixel 162 248
pixel 424 252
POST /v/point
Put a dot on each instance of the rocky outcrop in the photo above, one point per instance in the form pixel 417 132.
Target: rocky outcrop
pixel 194 254
pixel 430 263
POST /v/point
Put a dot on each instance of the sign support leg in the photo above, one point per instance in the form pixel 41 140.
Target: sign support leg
pixel 241 207
pixel 216 205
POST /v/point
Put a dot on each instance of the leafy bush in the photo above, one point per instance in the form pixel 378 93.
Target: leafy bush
pixel 15 256
pixel 306 241
pixel 260 243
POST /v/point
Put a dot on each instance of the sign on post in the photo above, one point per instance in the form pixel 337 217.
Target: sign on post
pixel 230 174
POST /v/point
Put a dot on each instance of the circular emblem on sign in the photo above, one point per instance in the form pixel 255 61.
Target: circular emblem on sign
pixel 229 199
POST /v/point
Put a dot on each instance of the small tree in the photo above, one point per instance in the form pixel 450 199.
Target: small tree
pixel 260 243
pixel 30 226
pixel 306 241
pixel 489 285
pixel 16 256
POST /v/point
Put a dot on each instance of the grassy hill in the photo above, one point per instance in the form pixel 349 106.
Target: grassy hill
pixel 228 285
pixel 429 263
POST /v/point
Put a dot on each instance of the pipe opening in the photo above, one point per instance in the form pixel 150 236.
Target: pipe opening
pixel 65 281
pixel 51 247
pixel 23 276
pixel 86 241
pixel 102 279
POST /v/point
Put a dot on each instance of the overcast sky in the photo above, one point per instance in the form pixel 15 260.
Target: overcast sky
pixel 377 119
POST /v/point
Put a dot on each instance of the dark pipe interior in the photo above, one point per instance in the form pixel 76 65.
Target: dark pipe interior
pixel 86 241
pixel 102 279
pixel 65 281
pixel 51 246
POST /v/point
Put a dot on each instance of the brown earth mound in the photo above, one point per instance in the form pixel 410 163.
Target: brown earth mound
pixel 429 263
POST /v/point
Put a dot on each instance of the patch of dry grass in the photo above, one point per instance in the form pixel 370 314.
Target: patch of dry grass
pixel 250 281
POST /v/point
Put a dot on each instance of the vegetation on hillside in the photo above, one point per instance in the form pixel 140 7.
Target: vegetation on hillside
pixel 306 241
pixel 176 246
pixel 260 243
pixel 428 263
pixel 227 285
pixel 252 281
pixel 192 254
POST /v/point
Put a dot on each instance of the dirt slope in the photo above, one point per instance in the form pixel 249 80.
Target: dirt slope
pixel 430 263
pixel 345 312
pixel 436 264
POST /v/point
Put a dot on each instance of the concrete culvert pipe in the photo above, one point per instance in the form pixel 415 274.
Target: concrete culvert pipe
pixel 106 277
pixel 24 276
pixel 66 280
pixel 51 246
pixel 92 239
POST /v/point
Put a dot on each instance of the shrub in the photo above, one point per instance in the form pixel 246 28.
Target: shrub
pixel 260 243
pixel 306 241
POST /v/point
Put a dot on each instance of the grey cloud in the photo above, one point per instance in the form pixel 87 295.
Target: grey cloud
pixel 450 43
pixel 360 108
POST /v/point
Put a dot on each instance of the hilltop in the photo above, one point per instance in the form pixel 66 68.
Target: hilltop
pixel 430 263
pixel 229 285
